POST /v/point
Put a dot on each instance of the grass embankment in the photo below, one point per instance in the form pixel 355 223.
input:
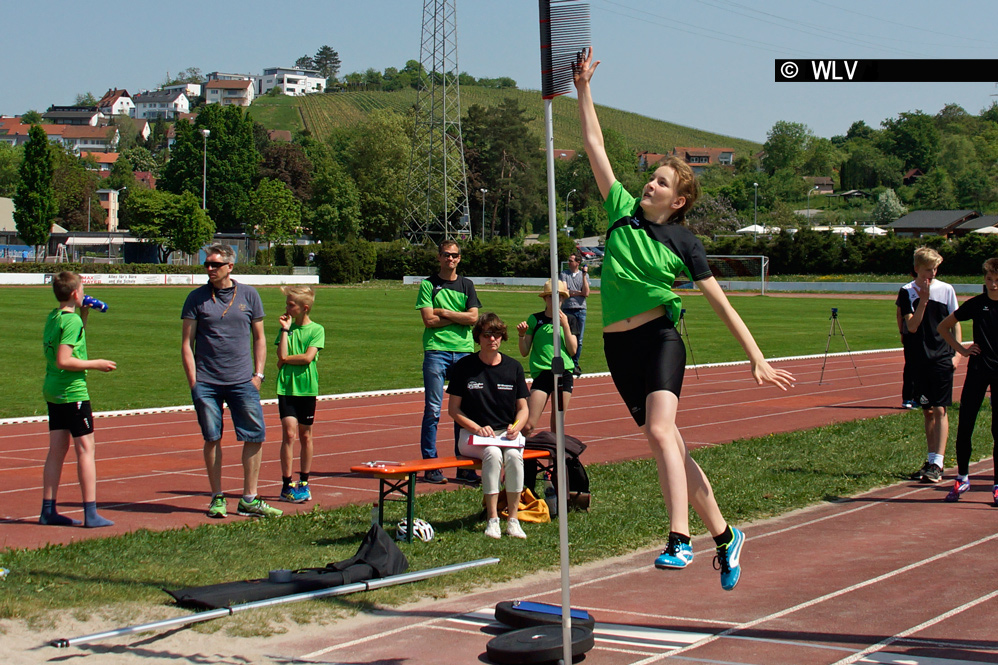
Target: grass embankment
pixel 753 479
pixel 373 338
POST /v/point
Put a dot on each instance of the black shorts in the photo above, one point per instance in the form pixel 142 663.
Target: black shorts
pixel 545 382
pixel 934 384
pixel 644 360
pixel 300 408
pixel 77 417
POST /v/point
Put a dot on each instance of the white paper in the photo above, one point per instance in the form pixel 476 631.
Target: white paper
pixel 500 440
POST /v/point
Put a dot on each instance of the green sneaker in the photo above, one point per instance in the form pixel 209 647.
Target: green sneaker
pixel 217 507
pixel 258 508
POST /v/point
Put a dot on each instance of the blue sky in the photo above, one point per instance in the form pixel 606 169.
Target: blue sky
pixel 706 64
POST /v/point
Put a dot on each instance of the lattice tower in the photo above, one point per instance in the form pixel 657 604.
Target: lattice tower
pixel 437 185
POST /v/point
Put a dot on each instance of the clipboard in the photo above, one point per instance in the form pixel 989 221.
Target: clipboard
pixel 501 441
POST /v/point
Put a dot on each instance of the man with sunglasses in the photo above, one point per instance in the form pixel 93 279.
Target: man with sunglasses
pixel 449 307
pixel 219 319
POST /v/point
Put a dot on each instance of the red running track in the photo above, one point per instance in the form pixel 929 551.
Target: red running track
pixel 151 474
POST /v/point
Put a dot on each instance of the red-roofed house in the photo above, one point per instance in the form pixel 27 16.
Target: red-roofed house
pixel 229 92
pixel 648 159
pixel 701 158
pixel 116 102
pixel 146 178
pixel 104 160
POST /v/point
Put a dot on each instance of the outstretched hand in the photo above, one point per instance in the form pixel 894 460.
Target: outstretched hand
pixel 763 372
pixel 583 68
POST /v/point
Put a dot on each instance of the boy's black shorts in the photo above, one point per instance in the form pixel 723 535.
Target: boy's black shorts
pixel 545 382
pixel 300 408
pixel 934 384
pixel 77 417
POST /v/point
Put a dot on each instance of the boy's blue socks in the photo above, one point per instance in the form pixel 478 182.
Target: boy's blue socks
pixel 50 517
pixel 91 519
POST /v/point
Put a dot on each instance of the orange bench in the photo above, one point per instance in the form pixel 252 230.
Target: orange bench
pixel 399 478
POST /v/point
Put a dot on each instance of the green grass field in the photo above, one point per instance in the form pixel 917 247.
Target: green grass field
pixel 373 337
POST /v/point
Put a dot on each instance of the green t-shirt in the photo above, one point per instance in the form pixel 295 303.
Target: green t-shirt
pixel 63 386
pixel 457 295
pixel 643 259
pixel 541 328
pixel 301 380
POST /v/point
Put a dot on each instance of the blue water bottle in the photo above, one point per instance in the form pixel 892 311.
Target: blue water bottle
pixel 93 303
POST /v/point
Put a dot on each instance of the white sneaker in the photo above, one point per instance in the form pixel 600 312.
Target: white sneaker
pixel 513 529
pixel 492 528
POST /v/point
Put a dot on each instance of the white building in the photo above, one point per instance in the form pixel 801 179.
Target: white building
pixel 229 92
pixel 295 82
pixel 166 104
pixel 192 90
pixel 116 102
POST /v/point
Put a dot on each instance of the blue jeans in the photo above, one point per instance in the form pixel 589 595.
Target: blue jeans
pixel 244 405
pixel 579 314
pixel 435 366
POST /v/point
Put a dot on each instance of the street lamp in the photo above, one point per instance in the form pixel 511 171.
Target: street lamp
pixel 484 192
pixel 809 192
pixel 204 171
pixel 755 214
pixel 567 196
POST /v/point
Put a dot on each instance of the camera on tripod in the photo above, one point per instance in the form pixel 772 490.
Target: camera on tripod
pixel 835 313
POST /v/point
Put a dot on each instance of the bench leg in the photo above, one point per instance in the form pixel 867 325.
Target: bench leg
pixel 410 508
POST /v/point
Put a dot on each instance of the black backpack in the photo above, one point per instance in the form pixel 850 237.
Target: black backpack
pixel 577 478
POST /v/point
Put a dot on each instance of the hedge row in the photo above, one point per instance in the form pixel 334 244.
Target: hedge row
pixel 133 268
pixel 810 252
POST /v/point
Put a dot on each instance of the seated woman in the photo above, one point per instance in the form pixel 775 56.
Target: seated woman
pixel 488 397
pixel 537 340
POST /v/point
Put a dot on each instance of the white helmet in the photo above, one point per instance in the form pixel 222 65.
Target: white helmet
pixel 421 529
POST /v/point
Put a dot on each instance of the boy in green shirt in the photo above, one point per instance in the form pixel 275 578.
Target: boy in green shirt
pixel 298 343
pixel 65 389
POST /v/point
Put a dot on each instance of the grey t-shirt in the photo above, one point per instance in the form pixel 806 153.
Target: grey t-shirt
pixel 574 283
pixel 223 351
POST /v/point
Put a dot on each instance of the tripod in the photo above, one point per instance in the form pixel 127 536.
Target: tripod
pixel 683 333
pixel 836 329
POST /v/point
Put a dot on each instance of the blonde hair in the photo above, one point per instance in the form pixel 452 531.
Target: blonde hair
pixel 64 284
pixel 926 257
pixel 686 185
pixel 301 294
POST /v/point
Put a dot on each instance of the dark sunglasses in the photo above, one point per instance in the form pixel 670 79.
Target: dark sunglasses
pixel 451 255
pixel 215 264
pixel 494 334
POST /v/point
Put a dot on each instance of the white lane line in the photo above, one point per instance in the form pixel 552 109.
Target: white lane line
pixel 914 629
pixel 821 599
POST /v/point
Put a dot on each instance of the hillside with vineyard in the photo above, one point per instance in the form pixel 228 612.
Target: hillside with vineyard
pixel 320 114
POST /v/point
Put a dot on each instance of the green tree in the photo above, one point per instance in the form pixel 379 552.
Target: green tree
pixel 327 62
pixel 288 163
pixel 86 99
pixel 272 213
pixel 305 62
pixel 378 162
pixel 888 208
pixel 32 117
pixel 934 191
pixel 34 200
pixel 173 222
pixel 141 159
pixel 867 166
pixel 333 211
pixel 913 138
pixel 75 182
pixel 189 75
pixel 10 163
pixel 121 175
pixel 232 162
pixel 711 216
pixel 990 113
pixel 820 158
pixel 785 146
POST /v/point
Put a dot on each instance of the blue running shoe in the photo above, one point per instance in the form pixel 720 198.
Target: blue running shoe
pixel 301 492
pixel 959 487
pixel 728 560
pixel 677 554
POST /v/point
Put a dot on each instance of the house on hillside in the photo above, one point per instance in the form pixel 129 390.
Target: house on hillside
pixel 700 158
pixel 648 160
pixel 933 222
pixel 104 160
pixel 983 224
pixel 229 92
pixel 116 102
pixel 167 104
pixel 73 115
pixel 294 82
pixel 911 177
pixel 823 184
pixel 75 137
pixel 191 90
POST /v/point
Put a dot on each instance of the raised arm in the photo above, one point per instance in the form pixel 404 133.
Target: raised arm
pixel 761 370
pixel 592 135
